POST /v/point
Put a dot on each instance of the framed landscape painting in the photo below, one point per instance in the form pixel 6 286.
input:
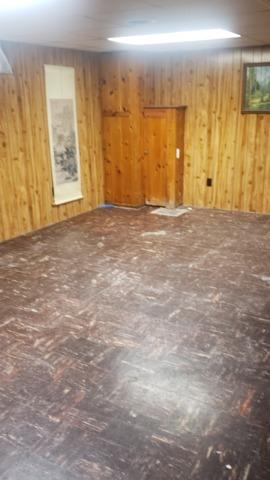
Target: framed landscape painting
pixel 256 88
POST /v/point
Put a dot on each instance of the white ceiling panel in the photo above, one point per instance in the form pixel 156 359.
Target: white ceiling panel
pixel 86 24
pixel 235 5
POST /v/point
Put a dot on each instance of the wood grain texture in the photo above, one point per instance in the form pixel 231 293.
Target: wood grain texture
pixel 163 133
pixel 25 172
pixel 221 143
pixel 180 142
pixel 155 163
pixel 120 81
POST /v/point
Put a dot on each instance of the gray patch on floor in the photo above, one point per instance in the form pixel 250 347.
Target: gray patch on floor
pixel 171 212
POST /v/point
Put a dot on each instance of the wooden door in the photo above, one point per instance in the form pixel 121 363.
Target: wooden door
pixel 163 156
pixel 180 145
pixel 122 155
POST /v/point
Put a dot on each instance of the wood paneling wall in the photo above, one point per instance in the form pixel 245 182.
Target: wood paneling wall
pixel 120 81
pixel 220 143
pixel 25 175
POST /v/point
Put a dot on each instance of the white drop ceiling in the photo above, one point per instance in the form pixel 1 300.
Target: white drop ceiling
pixel 86 24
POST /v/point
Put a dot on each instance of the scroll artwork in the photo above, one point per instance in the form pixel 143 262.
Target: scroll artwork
pixel 62 122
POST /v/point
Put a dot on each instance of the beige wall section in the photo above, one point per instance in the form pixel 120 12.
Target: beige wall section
pixel 25 175
pixel 220 142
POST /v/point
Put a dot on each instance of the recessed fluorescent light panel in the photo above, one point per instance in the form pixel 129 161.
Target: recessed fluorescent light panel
pixel 175 37
pixel 7 5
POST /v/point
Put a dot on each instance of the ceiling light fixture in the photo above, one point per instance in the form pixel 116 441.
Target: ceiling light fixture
pixel 175 37
pixel 7 5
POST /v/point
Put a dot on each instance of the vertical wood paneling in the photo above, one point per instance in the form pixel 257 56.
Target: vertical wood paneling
pixel 220 142
pixel 120 83
pixel 155 163
pixel 26 187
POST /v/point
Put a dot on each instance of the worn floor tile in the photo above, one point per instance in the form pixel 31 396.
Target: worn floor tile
pixel 134 346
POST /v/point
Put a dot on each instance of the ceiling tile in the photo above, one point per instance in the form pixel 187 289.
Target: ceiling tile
pixel 86 24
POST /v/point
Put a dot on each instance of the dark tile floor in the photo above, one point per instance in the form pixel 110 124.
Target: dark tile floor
pixel 136 347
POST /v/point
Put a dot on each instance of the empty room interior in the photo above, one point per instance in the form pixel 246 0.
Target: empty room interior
pixel 134 239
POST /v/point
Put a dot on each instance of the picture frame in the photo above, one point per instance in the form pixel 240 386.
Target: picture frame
pixel 256 88
pixel 63 133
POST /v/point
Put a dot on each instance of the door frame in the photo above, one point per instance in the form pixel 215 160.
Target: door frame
pixel 173 199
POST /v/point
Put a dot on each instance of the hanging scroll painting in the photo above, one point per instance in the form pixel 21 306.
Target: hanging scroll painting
pixel 63 133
